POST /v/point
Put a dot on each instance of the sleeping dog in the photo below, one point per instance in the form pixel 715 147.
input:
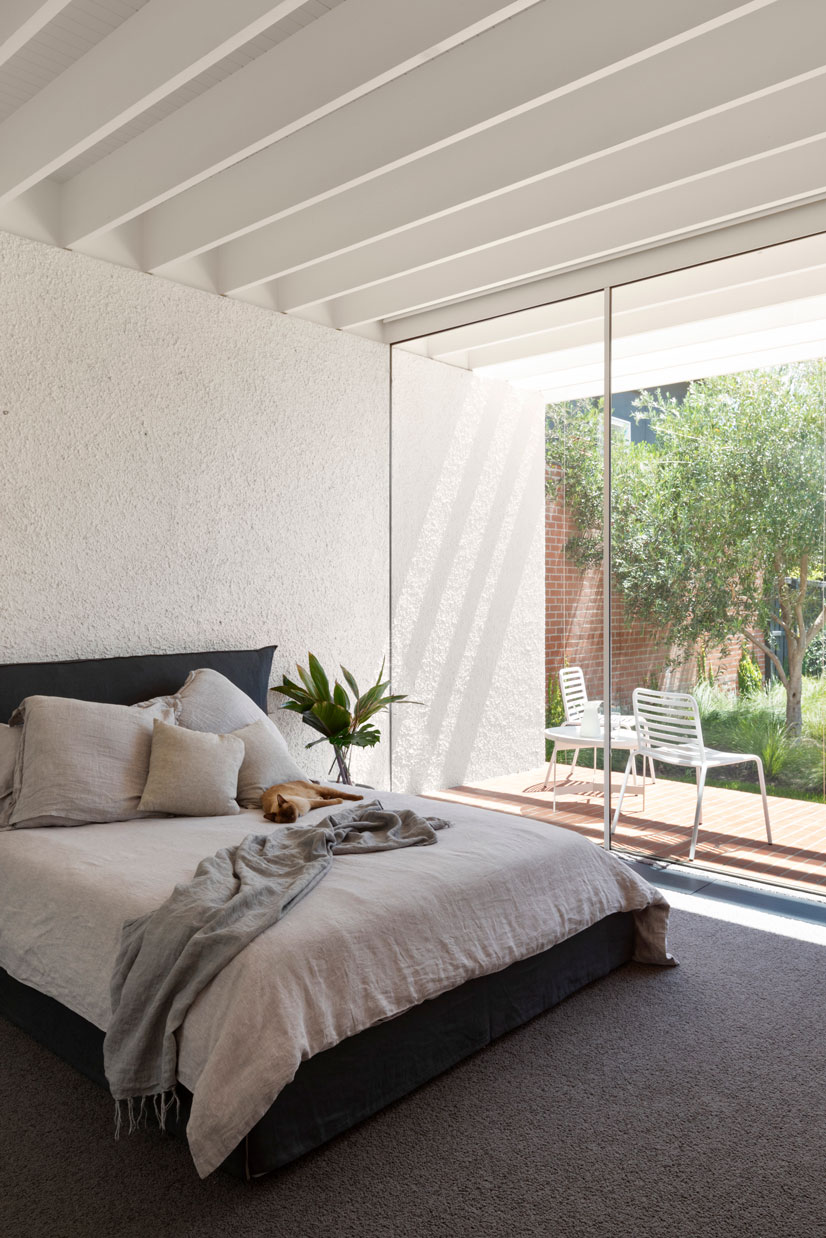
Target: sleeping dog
pixel 287 801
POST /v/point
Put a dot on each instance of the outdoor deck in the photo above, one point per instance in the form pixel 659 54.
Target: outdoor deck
pixel 732 838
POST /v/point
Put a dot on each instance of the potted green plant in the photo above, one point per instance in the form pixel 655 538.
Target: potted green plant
pixel 341 723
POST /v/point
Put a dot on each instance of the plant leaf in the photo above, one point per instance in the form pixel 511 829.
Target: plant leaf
pixel 319 678
pixel 340 697
pixel 332 717
pixel 308 683
pixel 351 682
pixel 316 723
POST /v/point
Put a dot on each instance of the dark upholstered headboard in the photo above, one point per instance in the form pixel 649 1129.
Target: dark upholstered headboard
pixel 125 681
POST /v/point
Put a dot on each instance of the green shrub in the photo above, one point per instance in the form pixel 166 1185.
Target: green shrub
pixel 814 659
pixel 749 679
pixel 765 733
pixel 556 709
pixel 705 671
pixel 804 769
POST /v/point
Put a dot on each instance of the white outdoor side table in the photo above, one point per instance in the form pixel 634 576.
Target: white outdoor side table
pixel 624 738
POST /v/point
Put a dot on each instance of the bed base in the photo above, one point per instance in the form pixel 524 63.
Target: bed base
pixel 338 1088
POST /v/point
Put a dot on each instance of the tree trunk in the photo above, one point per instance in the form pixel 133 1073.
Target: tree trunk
pixel 794 688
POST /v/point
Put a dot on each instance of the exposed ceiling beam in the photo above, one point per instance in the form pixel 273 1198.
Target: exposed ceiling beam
pixel 769 123
pixel 764 184
pixel 20 20
pixel 688 349
pixel 582 282
pixel 514 328
pixel 162 46
pixel 543 53
pixel 607 115
pixel 537 355
pixel 781 273
pixel 340 56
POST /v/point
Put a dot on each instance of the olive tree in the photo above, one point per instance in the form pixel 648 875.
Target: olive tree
pixel 718 523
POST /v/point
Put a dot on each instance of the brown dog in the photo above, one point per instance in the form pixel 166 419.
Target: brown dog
pixel 287 801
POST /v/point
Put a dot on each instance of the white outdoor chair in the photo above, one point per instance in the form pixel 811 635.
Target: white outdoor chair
pixel 668 729
pixel 574 700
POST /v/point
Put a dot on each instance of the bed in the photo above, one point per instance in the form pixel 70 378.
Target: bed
pixel 397 967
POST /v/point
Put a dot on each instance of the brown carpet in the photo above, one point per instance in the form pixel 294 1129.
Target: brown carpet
pixel 684 1102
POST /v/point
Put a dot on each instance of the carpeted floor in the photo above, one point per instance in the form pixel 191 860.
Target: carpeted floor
pixel 657 1102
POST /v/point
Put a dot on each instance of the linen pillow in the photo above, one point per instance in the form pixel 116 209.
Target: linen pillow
pixel 9 745
pixel 192 773
pixel 266 761
pixel 211 702
pixel 81 761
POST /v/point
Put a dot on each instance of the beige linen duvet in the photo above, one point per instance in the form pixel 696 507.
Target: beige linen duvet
pixel 380 934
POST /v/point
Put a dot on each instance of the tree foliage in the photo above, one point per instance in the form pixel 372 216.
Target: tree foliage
pixel 718 524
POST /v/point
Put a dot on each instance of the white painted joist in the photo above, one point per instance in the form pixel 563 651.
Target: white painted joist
pixel 544 52
pixel 761 233
pixel 162 46
pixel 349 51
pixel 606 115
pixel 726 310
pixel 768 123
pixel 764 184
pixel 516 329
pixel 21 20
pixel 793 333
pixel 776 274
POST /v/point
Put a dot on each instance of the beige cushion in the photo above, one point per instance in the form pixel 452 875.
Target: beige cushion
pixel 81 761
pixel 9 745
pixel 209 701
pixel 192 773
pixel 266 761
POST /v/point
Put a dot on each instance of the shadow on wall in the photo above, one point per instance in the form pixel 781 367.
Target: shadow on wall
pixel 467 588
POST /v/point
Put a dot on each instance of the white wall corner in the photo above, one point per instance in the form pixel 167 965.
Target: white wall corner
pixel 467 591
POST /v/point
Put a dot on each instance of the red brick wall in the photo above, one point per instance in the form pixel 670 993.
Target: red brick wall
pixel 573 629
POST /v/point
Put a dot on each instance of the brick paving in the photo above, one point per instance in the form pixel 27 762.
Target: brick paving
pixel 732 839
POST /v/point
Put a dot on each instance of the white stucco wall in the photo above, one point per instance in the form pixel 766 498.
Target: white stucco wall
pixel 182 471
pixel 468 602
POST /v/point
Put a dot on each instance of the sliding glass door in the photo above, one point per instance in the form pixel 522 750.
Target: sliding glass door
pixel 685 564
pixel 718 378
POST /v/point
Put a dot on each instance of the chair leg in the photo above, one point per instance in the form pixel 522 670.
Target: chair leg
pixel 653 775
pixel 698 812
pixel 622 791
pixel 762 779
pixel 547 781
pixel 573 762
pixel 554 765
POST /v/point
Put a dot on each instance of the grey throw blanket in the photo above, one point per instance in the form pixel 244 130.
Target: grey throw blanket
pixel 168 956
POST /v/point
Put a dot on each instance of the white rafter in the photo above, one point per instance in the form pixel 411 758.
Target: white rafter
pixel 767 183
pixel 344 54
pixel 390 168
pixel 770 122
pixel 539 55
pixel 162 46
pixel 20 21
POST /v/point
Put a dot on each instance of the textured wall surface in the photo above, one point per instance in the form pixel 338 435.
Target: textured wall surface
pixel 181 471
pixel 467 585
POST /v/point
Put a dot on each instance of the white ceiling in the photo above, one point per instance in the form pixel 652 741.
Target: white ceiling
pixel 362 162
